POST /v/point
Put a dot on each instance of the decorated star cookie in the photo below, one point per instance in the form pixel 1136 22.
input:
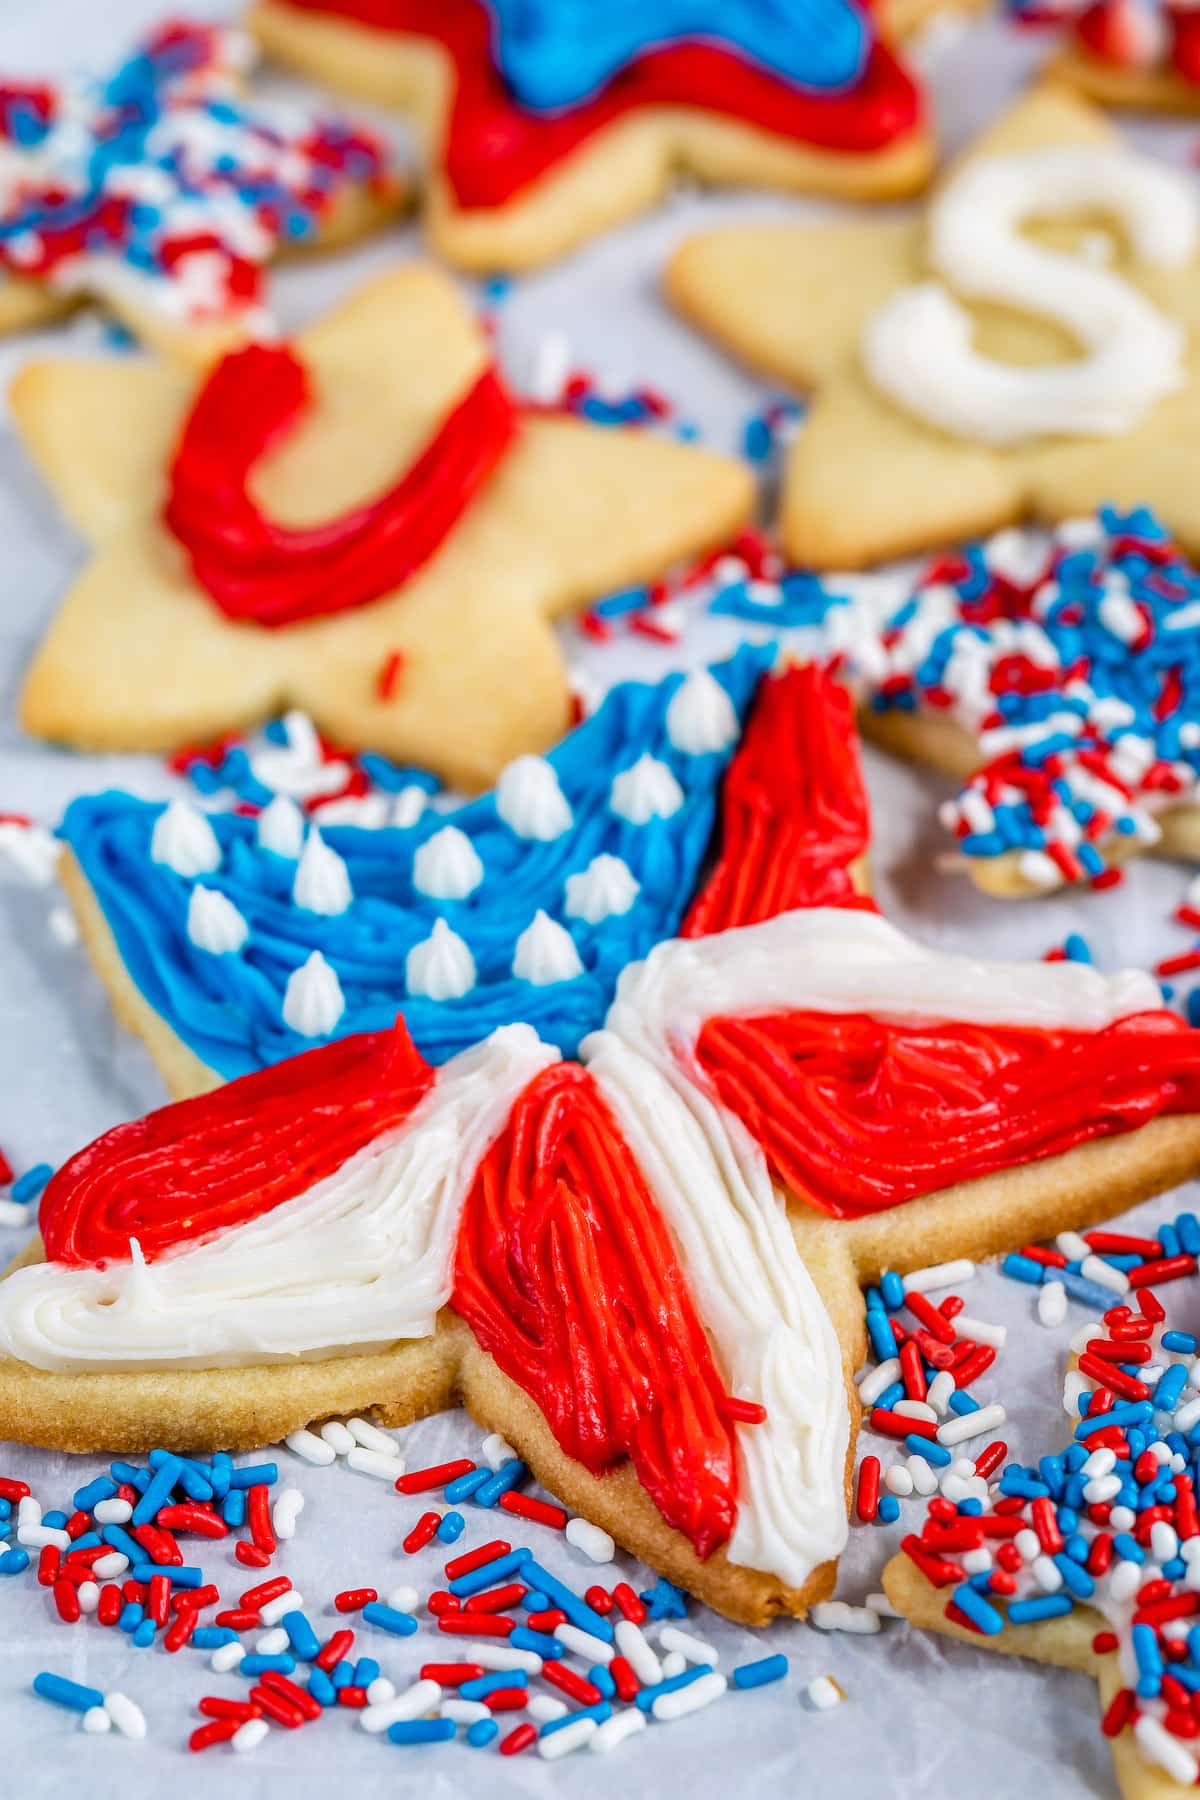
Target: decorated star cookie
pixel 361 523
pixel 1136 53
pixel 968 373
pixel 593 1253
pixel 1060 676
pixel 1087 1560
pixel 548 123
pixel 162 191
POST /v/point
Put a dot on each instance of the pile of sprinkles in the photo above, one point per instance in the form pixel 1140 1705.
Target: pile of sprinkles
pixel 521 1660
pixel 1109 1522
pixel 1073 665
pixel 162 184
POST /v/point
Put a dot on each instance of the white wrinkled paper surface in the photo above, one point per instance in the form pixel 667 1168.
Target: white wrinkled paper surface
pixel 923 1715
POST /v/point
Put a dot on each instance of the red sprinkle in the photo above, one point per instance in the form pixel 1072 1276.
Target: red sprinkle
pixel 354 1599
pixel 351 1695
pixel 897 1425
pixel 500 1599
pixel 572 1683
pixel 1167 1268
pixel 159 1599
pixel 630 1604
pixel 278 1707
pixel 181 1628
pixel 66 1599
pixel 989 1460
pixel 526 1506
pixel 12 1489
pixel 195 1519
pixel 251 1557
pixel 627 1683
pixel 547 1621
pixel 440 1602
pixel 423 1532
pixel 518 1740
pixel 475 1559
pixel 867 1499
pixel 258 1517
pixel 266 1591
pixel 108 1610
pixel 219 1731
pixel 290 1690
pixel 451 1674
pixel 215 1706
pixel 419 1481
pixel 475 1624
pixel 1121 1712
pixel 334 1649
pixel 1103 1642
pixel 390 672
pixel 599 1599
pixel 513 1699
pixel 48 1563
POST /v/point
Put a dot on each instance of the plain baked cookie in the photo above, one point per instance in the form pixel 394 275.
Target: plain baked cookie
pixel 140 658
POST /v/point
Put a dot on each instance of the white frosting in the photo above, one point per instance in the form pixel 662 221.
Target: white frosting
pixel 917 348
pixel 363 1259
pixel 313 1001
pixel 772 1338
pixel 441 966
pixel 184 840
pixel 545 953
pixel 607 888
pixel 214 922
pixel 827 959
pixel 700 716
pixel 281 827
pixel 322 881
pixel 648 790
pixel 530 801
pixel 447 865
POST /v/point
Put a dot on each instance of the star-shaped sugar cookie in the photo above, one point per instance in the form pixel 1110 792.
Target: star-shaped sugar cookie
pixel 868 478
pixel 457 668
pixel 595 1254
pixel 512 185
pixel 161 191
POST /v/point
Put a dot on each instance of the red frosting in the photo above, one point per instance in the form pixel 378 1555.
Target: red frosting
pixel 856 1115
pixel 194 1169
pixel 568 1276
pixel 794 815
pixel 257 570
pixel 494 148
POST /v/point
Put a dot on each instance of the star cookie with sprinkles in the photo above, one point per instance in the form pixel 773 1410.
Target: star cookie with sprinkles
pixel 1143 54
pixel 361 523
pixel 969 373
pixel 1060 678
pixel 549 123
pixel 782 1096
pixel 1087 1560
pixel 162 190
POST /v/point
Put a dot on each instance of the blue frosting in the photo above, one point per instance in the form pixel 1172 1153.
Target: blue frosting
pixel 228 1009
pixel 557 53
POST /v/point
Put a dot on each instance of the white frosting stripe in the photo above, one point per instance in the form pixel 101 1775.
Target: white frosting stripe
pixel 771 1335
pixel 917 348
pixel 362 1259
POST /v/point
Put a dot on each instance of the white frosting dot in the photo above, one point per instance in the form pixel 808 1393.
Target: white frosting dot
pixel 184 840
pixel 646 791
pixel 546 953
pixel 281 827
pixel 214 922
pixel 322 883
pixel 313 1002
pixel 530 800
pixel 441 967
pixel 447 865
pixel 700 716
pixel 604 890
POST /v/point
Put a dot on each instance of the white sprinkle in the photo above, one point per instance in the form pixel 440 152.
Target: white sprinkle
pixel 939 1391
pixel 1074 1385
pixel 694 1648
pixel 226 1657
pixel 126 1715
pixel 1122 1518
pixel 976 1562
pixel 1096 1269
pixel 1052 1303
pixel 271 1643
pixel 915 1409
pixel 1101 1488
pixel 898 1480
pixel 632 1645
pixel 404 1599
pixel 614 1731
pixel 940 1275
pixel 673 1664
pixel 592 1649
pixel 285 1512
pixel 336 1435
pixel 272 1611
pixel 96 1720
pixel 1047 1574
pixel 250 1735
pixel 965 1426
pixel 369 1462
pixel 88 1596
pixel 29 1510
pixel 542 1707
pixel 691 1698
pixel 873 1382
pixel 879 1603
pixel 835 1615
pixel 381 1690
pixel 372 1438
pixel 110 1566
pixel 1162 1747
pixel 1029 1544
pixel 923 1478
pixel 1073 1247
pixel 1187 1415
pixel 421 1698
pixel 36 1537
pixel 497 1451
pixel 310 1448
pixel 982 1330
pixel 564 1742
pixel 63 928
pixel 1164 1541
pixel 823 1693
pixel 595 1544
pixel 499 1656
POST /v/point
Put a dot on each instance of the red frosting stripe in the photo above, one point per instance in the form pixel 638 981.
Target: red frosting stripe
pixel 567 1275
pixel 190 1170
pixel 856 1115
pixel 494 149
pixel 794 815
pixel 254 569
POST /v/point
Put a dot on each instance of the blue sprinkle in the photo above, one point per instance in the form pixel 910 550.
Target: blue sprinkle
pixel 934 1453
pixel 366 1670
pixel 978 1610
pixel 14 1560
pixel 400 1624
pixel 961 1402
pixel 130 1616
pixel 451 1528
pixel 211 1637
pixel 889 1509
pixel 1023 1268
pixel 483 1685
pixel 891 1286
pixel 254 1475
pixel 600 1711
pixel 464 1486
pixel 506 1476
pixel 581 1614
pixel 883 1342
pixel 1182 1342
pixel 55 1520
pixel 72 1694
pixel 501 1568
pixel 158 1493
pixel 301 1636
pixel 233 1508
pixel 144 1634
pixel 482 1733
pixel 282 1663
pixel 1042 1606
pixel 537 1641
pixel 321 1688
pixel 648 1695
pixel 663 1601
pixel 600 1678
pixel 758 1674
pixel 103 1488
pixel 29 1185
pixel 421 1731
